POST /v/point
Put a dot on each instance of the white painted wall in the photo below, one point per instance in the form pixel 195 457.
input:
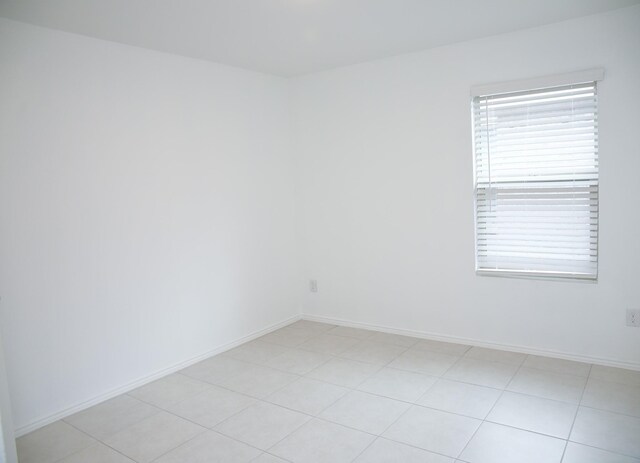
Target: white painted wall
pixel 147 213
pixel 148 204
pixel 385 193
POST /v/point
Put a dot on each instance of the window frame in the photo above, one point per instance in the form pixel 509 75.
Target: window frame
pixel 530 85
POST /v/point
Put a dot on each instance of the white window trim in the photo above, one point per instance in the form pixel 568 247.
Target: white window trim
pixel 557 80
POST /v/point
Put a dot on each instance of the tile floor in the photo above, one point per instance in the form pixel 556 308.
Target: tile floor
pixel 312 392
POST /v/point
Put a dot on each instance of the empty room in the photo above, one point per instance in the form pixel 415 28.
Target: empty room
pixel 319 231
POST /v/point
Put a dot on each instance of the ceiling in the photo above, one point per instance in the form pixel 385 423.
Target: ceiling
pixel 292 37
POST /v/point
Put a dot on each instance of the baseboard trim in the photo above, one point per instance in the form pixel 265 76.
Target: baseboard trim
pixel 476 342
pixel 43 421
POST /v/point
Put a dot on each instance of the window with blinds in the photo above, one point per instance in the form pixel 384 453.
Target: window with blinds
pixel 536 182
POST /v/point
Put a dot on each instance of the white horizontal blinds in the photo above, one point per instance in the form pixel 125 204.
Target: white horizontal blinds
pixel 536 167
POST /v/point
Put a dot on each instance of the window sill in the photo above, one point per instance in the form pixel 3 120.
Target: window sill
pixel 529 275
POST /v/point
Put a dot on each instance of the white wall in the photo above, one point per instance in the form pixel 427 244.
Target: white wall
pixel 7 436
pixel 385 193
pixel 147 213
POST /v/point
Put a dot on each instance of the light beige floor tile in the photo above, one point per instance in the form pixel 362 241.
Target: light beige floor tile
pixel 210 447
pixel 262 425
pixel 606 430
pixel 461 398
pixel 267 458
pixel 169 390
pixel 51 443
pixel 215 369
pixel 398 384
pixel 322 442
pixel 618 375
pixel 307 395
pixel 373 352
pixel 287 337
pixel 535 414
pixel 494 443
pixel 258 381
pixel 494 355
pixel 578 453
pixel 567 367
pixel 482 372
pixel 387 451
pixel 424 361
pixel 365 412
pixel 298 361
pixel 351 332
pixel 433 430
pixel 310 327
pixel 211 406
pixel 256 351
pixel 153 437
pixel 344 372
pixel 612 396
pixel 441 347
pixel 97 453
pixel 106 419
pixel 556 386
pixel 395 339
pixel 329 344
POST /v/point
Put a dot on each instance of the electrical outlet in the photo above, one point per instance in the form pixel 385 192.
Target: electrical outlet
pixel 633 317
pixel 313 286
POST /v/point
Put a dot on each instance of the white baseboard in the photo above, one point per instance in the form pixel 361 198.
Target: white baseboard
pixel 45 420
pixel 476 342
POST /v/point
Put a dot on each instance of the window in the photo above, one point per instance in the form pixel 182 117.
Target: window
pixel 536 180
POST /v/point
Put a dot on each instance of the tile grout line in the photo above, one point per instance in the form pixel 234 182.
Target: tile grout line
pixel 484 420
pixel 575 416
pixel 442 377
pixel 618 454
pixel 206 429
pixel 411 405
pixel 637 417
pixel 385 430
pixel 96 441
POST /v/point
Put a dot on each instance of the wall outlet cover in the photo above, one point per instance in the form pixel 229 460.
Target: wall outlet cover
pixel 633 318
